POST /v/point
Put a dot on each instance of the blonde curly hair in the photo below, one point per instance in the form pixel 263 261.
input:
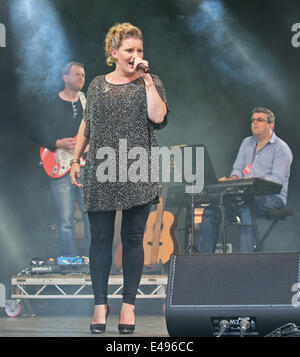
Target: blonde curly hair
pixel 116 35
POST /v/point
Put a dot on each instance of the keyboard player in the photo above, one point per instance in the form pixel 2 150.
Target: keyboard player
pixel 262 155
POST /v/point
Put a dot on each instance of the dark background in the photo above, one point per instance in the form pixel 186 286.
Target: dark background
pixel 217 59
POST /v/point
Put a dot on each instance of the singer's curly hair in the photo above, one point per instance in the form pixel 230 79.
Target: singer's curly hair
pixel 116 35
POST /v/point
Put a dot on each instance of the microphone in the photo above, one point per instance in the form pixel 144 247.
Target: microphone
pixel 143 68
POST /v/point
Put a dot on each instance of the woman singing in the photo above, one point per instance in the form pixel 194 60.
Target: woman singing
pixel 124 108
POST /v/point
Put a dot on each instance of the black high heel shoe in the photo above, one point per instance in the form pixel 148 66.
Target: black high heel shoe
pixel 126 329
pixel 99 328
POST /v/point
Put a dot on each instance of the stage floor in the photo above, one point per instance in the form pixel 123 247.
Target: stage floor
pixel 77 326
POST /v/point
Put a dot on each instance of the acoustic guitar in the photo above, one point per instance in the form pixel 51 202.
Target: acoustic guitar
pixel 158 243
pixel 117 247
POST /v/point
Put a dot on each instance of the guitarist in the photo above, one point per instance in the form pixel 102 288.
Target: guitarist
pixel 57 129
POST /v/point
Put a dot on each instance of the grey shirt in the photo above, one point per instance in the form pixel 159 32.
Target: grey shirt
pixel 117 121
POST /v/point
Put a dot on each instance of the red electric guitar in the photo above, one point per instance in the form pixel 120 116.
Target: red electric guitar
pixel 57 163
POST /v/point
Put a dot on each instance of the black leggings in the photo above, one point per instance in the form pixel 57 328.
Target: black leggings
pixel 132 233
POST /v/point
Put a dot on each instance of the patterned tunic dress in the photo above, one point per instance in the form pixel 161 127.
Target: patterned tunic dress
pixel 117 123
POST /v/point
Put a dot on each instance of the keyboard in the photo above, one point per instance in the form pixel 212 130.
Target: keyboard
pixel 251 186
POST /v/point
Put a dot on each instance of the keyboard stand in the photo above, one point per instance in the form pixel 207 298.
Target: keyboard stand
pixel 222 243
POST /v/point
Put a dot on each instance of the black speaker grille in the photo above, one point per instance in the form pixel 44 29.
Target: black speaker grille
pixel 233 279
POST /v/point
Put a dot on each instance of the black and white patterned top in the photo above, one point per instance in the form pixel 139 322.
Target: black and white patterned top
pixel 115 112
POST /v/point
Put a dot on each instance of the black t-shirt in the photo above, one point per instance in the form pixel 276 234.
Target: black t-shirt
pixel 58 119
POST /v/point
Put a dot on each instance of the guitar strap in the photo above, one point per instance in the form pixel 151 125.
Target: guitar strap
pixel 82 99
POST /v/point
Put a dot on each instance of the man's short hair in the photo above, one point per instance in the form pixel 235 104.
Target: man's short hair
pixel 68 66
pixel 270 114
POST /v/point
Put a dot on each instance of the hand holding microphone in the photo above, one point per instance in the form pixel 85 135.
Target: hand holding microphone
pixel 143 68
pixel 142 65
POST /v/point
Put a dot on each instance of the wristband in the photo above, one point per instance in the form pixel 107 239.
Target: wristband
pixel 74 161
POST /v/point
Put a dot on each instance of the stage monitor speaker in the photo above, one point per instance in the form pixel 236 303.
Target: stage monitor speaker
pixel 249 294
